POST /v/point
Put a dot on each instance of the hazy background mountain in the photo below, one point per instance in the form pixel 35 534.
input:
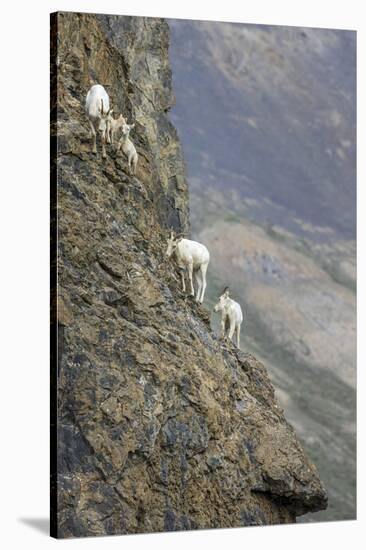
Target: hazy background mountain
pixel 267 118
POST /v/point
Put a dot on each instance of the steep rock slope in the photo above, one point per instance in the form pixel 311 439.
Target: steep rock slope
pixel 160 426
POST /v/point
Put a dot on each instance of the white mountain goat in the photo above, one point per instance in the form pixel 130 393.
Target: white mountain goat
pixel 230 312
pixel 192 256
pixel 97 110
pixel 113 125
pixel 128 148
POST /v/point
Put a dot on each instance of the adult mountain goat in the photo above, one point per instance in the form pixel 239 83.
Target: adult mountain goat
pixel 230 312
pixel 193 257
pixel 97 110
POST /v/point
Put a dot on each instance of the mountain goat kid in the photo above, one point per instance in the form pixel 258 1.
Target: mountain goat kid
pixel 113 125
pixel 192 256
pixel 230 312
pixel 97 110
pixel 128 148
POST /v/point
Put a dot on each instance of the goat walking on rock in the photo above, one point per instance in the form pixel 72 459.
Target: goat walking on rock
pixel 192 256
pixel 230 312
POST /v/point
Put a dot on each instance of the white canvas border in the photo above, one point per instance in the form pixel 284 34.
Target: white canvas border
pixel 24 267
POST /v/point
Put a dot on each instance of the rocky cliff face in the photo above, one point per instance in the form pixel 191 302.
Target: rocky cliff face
pixel 160 425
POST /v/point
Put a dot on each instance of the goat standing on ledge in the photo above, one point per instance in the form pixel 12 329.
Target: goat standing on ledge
pixel 192 256
pixel 97 110
pixel 113 125
pixel 128 148
pixel 230 311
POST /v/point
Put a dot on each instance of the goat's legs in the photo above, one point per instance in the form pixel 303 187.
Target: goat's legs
pixel 134 164
pixel 108 133
pixel 131 166
pixel 104 154
pixel 198 278
pixel 204 283
pixel 183 281
pixel 190 275
pixel 238 335
pixel 223 323
pixel 231 330
pixel 93 136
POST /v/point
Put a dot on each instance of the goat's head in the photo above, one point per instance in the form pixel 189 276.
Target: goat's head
pixel 126 129
pixel 222 300
pixel 173 242
pixel 104 116
pixel 117 122
pixel 120 121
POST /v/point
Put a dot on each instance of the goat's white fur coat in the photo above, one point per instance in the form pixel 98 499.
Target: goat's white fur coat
pixel 230 312
pixel 97 109
pixel 193 257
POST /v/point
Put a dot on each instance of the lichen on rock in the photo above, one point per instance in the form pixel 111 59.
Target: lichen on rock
pixel 159 425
